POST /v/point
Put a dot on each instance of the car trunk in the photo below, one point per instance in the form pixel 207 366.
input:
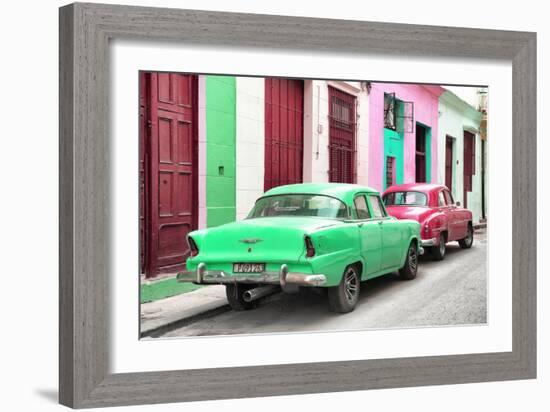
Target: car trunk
pixel 417 213
pixel 269 239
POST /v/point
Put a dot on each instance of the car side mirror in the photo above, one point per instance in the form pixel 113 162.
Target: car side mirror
pixel 458 203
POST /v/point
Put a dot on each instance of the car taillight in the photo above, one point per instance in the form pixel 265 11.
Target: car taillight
pixel 310 250
pixel 193 246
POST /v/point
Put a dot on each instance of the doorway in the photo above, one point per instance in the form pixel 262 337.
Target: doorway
pixel 469 163
pixel 449 143
pixel 420 154
pixel 168 170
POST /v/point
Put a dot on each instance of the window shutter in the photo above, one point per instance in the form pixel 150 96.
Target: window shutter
pixel 389 111
pixel 405 117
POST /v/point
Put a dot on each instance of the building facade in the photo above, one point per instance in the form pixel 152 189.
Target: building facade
pixel 461 162
pixel 402 134
pixel 211 145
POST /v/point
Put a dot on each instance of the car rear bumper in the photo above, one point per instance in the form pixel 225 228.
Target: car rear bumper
pixel 202 276
pixel 428 242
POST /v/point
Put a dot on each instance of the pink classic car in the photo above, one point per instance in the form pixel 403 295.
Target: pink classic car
pixel 432 205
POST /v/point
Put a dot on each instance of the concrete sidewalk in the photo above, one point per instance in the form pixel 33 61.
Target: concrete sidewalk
pixel 160 314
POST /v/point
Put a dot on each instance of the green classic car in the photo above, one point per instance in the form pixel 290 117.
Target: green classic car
pixel 325 235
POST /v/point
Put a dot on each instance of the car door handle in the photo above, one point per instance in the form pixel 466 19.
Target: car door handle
pixel 380 222
pixel 359 224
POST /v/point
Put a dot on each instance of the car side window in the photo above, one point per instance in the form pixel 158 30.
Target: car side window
pixel 361 207
pixel 449 198
pixel 376 205
pixel 441 199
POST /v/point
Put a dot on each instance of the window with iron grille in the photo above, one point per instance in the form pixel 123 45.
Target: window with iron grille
pixel 390 171
pixel 342 122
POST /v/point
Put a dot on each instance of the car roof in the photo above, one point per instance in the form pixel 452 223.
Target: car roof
pixel 342 191
pixel 417 187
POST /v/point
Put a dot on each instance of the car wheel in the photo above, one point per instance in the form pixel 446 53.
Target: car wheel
pixel 409 269
pixel 235 297
pixel 438 252
pixel 467 242
pixel 343 298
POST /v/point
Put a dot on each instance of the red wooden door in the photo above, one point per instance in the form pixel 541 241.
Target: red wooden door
pixel 171 201
pixel 469 163
pixel 284 132
pixel 342 122
pixel 449 163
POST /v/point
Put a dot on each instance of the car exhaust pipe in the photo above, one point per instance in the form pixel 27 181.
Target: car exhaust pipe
pixel 259 292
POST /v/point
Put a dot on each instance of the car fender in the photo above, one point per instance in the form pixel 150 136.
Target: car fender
pixel 413 234
pixel 336 248
pixel 434 224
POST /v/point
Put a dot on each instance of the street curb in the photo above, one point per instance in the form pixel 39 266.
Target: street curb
pixel 223 307
pixel 480 226
pixel 160 330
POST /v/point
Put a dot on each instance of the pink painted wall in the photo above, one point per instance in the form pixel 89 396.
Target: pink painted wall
pixel 426 103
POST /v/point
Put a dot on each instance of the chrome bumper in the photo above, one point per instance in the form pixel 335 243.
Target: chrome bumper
pixel 428 242
pixel 283 277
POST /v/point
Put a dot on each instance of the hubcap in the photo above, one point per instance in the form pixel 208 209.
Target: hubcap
pixel 469 236
pixel 412 259
pixel 350 285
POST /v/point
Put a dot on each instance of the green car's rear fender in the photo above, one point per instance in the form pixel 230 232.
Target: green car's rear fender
pixel 335 249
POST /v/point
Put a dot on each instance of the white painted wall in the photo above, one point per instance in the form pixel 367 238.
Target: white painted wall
pixel 250 112
pixel 250 140
pixel 455 116
pixel 362 135
pixel 316 128
pixel 202 151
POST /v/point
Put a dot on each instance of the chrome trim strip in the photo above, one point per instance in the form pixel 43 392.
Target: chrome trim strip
pixel 428 242
pixel 282 277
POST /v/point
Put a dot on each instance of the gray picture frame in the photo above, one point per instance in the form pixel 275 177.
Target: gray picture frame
pixel 85 32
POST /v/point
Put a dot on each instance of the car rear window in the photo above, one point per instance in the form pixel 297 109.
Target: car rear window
pixel 299 205
pixel 405 198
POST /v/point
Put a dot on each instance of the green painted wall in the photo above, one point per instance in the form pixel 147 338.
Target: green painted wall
pixel 428 154
pixel 393 146
pixel 220 149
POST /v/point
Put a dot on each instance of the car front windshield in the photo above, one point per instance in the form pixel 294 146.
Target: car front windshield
pixel 300 205
pixel 405 199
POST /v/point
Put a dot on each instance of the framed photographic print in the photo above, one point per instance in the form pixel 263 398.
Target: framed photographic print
pixel 258 205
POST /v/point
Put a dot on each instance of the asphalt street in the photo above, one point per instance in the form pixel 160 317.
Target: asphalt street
pixel 449 292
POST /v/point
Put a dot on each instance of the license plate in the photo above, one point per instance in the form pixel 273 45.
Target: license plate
pixel 248 267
